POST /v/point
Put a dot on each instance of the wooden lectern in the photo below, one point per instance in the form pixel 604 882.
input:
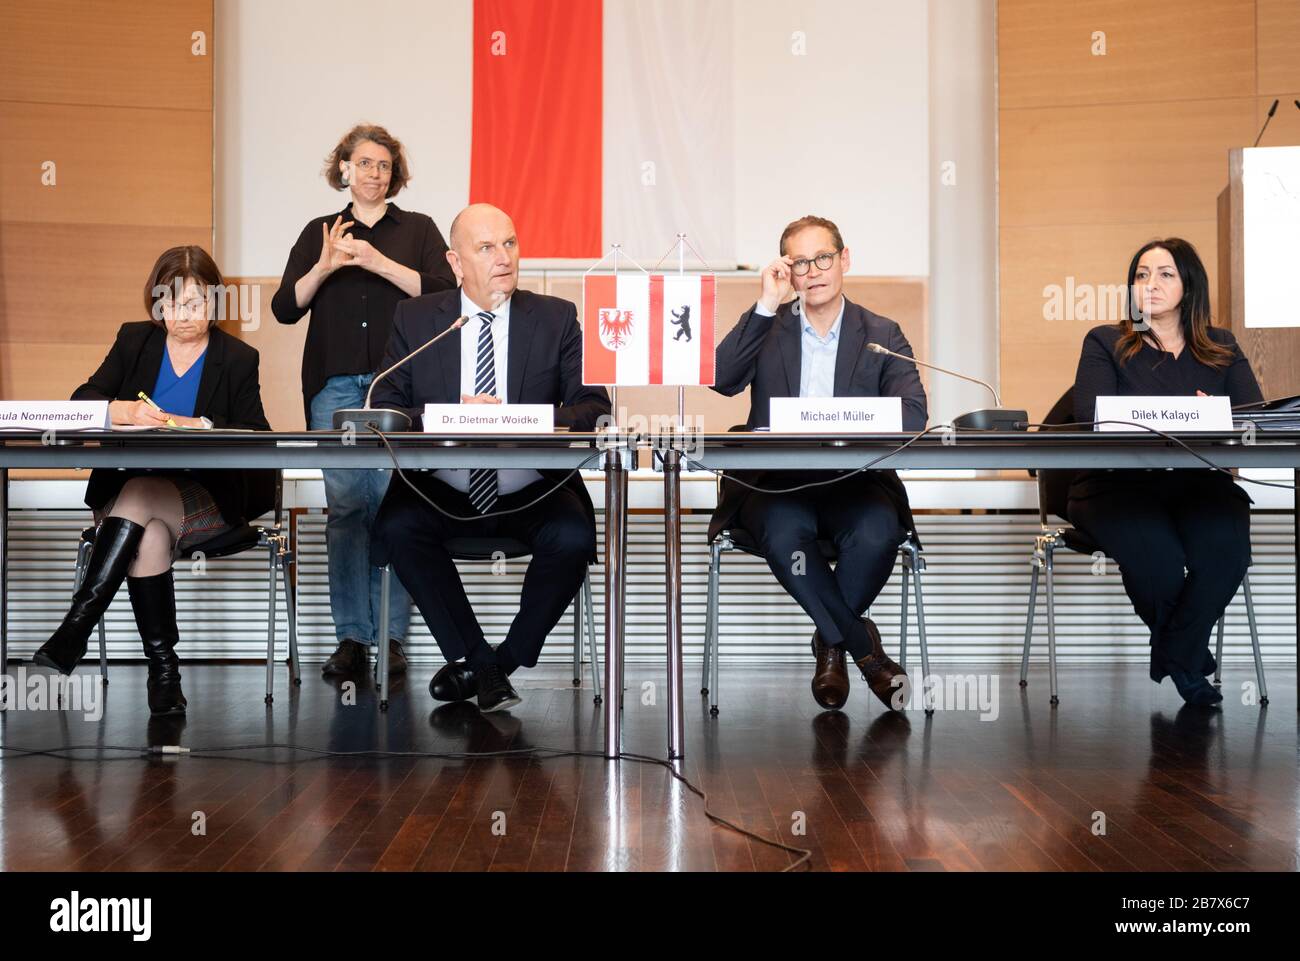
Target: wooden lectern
pixel 1259 263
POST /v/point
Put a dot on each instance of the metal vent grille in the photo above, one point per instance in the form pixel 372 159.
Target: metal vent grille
pixel 976 591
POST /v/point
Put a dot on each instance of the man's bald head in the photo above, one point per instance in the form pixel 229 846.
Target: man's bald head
pixel 484 254
pixel 474 219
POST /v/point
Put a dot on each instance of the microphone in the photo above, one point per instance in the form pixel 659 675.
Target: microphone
pixel 386 419
pixel 994 418
pixel 1271 110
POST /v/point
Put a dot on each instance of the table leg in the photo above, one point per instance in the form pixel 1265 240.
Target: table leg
pixel 673 587
pixel 615 510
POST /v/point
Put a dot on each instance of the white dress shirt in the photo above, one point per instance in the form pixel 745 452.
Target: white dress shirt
pixel 508 480
pixel 817 354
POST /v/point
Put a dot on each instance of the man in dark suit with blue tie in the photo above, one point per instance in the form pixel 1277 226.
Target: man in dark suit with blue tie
pixel 518 347
pixel 815 346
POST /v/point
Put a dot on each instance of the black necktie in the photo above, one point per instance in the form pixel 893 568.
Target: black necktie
pixel 483 480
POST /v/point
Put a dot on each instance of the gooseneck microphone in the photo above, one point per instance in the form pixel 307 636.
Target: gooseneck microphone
pixel 1271 110
pixel 994 418
pixel 386 419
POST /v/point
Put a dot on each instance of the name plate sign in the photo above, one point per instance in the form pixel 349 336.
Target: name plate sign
pixel 489 418
pixel 836 415
pixel 53 415
pixel 1166 413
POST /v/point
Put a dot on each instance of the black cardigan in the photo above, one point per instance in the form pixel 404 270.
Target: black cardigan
pixel 229 396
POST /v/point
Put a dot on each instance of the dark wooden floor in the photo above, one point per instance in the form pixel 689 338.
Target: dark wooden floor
pixel 1178 789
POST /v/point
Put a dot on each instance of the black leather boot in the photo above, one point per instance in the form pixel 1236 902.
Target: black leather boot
pixel 116 544
pixel 154 601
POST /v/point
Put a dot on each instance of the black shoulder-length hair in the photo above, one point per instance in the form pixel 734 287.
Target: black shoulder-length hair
pixel 1194 308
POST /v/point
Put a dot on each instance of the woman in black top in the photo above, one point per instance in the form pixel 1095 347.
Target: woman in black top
pixel 199 377
pixel 1181 537
pixel 351 270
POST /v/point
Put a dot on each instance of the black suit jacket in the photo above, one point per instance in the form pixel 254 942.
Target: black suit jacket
pixel 766 353
pixel 229 396
pixel 543 366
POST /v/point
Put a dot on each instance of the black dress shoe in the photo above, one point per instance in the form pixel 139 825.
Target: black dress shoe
pixel 348 660
pixel 396 657
pixel 1195 690
pixel 456 681
pixel 494 690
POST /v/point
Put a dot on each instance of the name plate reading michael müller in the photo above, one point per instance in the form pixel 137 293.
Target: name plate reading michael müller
pixel 489 418
pixel 836 415
pixel 29 415
pixel 1165 413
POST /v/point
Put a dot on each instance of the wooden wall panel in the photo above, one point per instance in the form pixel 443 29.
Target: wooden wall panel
pixel 1097 155
pixel 114 165
pixel 1279 49
pixel 1190 51
pixel 106 53
pixel 113 95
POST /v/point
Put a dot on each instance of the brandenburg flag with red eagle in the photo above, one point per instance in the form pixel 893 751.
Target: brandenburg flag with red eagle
pixel 640 329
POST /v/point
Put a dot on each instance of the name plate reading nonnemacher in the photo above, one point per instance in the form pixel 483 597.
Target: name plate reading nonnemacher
pixel 489 418
pixel 1165 413
pixel 44 415
pixel 836 415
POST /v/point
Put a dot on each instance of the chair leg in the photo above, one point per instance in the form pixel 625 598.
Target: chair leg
pixel 381 660
pixel 83 554
pixel 291 609
pixel 1218 650
pixel 1254 640
pixel 592 651
pixel 708 619
pixel 272 589
pixel 577 639
pixel 902 612
pixel 1051 623
pixel 1029 620
pixel 918 563
pixel 715 586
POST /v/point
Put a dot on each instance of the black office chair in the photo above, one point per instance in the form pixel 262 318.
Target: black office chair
pixel 492 549
pixel 1053 499
pixel 275 539
pixel 737 539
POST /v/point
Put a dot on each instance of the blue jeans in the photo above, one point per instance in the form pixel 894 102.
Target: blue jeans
pixel 353 498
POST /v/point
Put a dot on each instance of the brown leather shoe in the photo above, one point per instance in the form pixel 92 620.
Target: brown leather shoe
pixel 348 660
pixel 830 682
pixel 396 657
pixel 886 679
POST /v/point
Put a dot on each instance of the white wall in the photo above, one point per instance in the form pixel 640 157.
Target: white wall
pixel 963 215
pixel 840 131
pixel 292 76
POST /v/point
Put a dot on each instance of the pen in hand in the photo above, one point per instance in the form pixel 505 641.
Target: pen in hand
pixel 145 397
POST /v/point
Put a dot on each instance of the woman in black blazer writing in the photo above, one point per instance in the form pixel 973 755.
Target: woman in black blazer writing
pixel 1181 537
pixel 197 377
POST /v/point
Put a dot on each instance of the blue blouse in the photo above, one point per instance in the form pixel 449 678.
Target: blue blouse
pixel 177 395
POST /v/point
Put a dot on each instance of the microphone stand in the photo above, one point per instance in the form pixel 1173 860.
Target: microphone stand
pixel 992 418
pixel 385 419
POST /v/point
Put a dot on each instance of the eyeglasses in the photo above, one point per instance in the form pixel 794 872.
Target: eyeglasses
pixel 194 308
pixel 823 262
pixel 365 165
